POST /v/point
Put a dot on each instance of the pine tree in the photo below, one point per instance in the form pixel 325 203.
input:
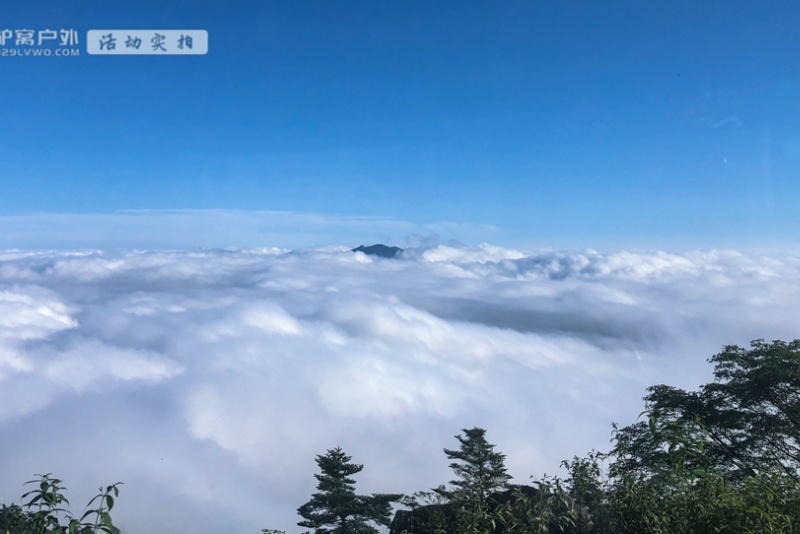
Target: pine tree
pixel 481 472
pixel 336 508
pixel 480 469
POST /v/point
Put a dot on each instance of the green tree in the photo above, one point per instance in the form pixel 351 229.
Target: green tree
pixel 724 458
pixel 753 405
pixel 750 414
pixel 678 497
pixel 14 519
pixel 336 508
pixel 480 472
pixel 588 495
pixel 480 469
pixel 544 508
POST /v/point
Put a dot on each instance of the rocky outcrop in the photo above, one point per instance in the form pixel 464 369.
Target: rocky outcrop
pixel 379 250
pixel 431 518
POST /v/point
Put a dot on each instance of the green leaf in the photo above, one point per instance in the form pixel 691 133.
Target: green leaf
pixel 86 513
pixel 105 519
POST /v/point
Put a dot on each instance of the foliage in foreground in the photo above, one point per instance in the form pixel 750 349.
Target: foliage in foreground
pixel 723 459
pixel 43 512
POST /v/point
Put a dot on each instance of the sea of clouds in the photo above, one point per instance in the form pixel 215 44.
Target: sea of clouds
pixel 208 380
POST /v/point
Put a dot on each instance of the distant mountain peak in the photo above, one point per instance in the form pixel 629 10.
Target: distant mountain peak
pixel 379 250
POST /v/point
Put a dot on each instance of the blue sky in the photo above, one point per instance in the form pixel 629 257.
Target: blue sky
pixel 557 122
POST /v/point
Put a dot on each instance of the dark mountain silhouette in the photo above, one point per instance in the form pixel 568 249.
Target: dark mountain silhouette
pixel 379 250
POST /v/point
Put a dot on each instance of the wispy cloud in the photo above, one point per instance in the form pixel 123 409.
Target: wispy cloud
pixel 215 228
pixel 208 380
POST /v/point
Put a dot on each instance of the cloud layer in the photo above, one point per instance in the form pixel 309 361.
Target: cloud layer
pixel 207 381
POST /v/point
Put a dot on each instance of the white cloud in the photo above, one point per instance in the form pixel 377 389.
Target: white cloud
pixel 32 313
pixel 91 362
pixel 210 379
